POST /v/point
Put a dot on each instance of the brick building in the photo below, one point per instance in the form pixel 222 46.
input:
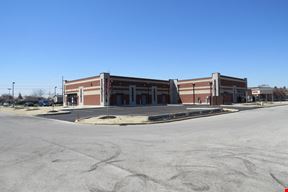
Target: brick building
pixel 262 93
pixel 84 91
pixel 106 89
pixel 217 89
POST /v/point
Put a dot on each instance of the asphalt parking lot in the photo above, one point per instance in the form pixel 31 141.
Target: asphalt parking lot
pixel 137 111
pixel 239 152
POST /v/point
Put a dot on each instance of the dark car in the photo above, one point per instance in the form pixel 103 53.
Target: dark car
pixel 44 103
pixel 29 104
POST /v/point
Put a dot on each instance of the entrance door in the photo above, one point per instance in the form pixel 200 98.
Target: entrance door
pixel 119 100
pixel 72 99
pixel 143 100
pixel 132 95
pixel 164 99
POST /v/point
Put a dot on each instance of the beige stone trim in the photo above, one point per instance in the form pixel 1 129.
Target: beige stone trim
pixel 231 79
pixel 187 88
pixel 141 81
pixel 89 88
pixel 140 92
pixel 94 92
pixel 72 90
pixel 196 92
pixel 196 81
pixel 146 88
pixel 228 87
pixel 82 81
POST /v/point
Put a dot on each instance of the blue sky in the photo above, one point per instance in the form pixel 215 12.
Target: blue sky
pixel 41 40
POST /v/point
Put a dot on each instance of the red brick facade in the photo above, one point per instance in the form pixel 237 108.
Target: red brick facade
pixel 195 91
pixel 216 89
pixel 92 100
pixel 117 90
pixel 88 88
pixel 121 94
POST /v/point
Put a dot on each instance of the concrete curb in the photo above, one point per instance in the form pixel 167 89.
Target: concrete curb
pixel 182 114
pixel 171 120
pixel 55 113
pixel 230 110
pixel 166 118
pixel 274 106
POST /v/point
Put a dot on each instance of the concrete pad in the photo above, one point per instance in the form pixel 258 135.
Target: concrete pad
pixel 33 111
pixel 114 121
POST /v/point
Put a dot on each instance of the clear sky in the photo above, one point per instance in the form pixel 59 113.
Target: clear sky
pixel 41 40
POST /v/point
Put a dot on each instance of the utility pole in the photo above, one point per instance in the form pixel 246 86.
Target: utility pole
pixel 211 94
pixel 13 84
pixel 55 91
pixel 194 96
pixel 63 91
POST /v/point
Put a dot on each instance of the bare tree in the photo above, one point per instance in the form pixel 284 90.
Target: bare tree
pixel 280 93
pixel 5 98
pixel 20 97
pixel 38 93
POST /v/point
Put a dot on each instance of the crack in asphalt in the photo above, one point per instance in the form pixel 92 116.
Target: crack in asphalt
pixel 108 160
pixel 130 172
pixel 278 180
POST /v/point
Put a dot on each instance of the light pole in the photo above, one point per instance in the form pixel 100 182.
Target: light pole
pixel 63 92
pixel 13 84
pixel 194 96
pixel 9 89
pixel 211 94
pixel 55 89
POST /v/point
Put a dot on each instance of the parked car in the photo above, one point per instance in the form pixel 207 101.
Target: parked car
pixel 44 103
pixel 6 104
pixel 29 104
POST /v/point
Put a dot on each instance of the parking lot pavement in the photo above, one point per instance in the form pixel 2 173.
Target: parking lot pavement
pixel 137 111
pixel 144 110
pixel 246 151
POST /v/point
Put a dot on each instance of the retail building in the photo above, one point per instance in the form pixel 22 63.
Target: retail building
pixel 217 89
pixel 110 90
